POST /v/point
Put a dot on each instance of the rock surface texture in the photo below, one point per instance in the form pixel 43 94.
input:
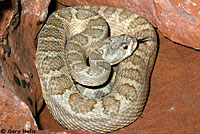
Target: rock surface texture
pixel 14 113
pixel 173 104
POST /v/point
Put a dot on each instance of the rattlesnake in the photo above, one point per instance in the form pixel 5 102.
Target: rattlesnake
pixel 126 89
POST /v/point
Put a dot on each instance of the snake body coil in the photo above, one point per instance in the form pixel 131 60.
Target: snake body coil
pixel 69 36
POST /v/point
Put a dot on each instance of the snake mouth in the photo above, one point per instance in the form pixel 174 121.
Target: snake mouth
pixel 142 40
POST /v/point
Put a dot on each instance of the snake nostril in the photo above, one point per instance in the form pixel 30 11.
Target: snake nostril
pixel 125 47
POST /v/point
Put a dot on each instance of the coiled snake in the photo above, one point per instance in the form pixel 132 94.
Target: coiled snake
pixel 89 97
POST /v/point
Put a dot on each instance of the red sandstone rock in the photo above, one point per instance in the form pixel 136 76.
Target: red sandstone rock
pixel 14 113
pixel 17 57
pixel 18 48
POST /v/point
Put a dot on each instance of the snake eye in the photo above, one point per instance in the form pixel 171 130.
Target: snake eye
pixel 123 35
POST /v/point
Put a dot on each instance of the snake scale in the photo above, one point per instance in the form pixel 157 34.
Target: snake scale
pixel 69 37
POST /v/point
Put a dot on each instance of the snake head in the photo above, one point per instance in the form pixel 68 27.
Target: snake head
pixel 117 48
